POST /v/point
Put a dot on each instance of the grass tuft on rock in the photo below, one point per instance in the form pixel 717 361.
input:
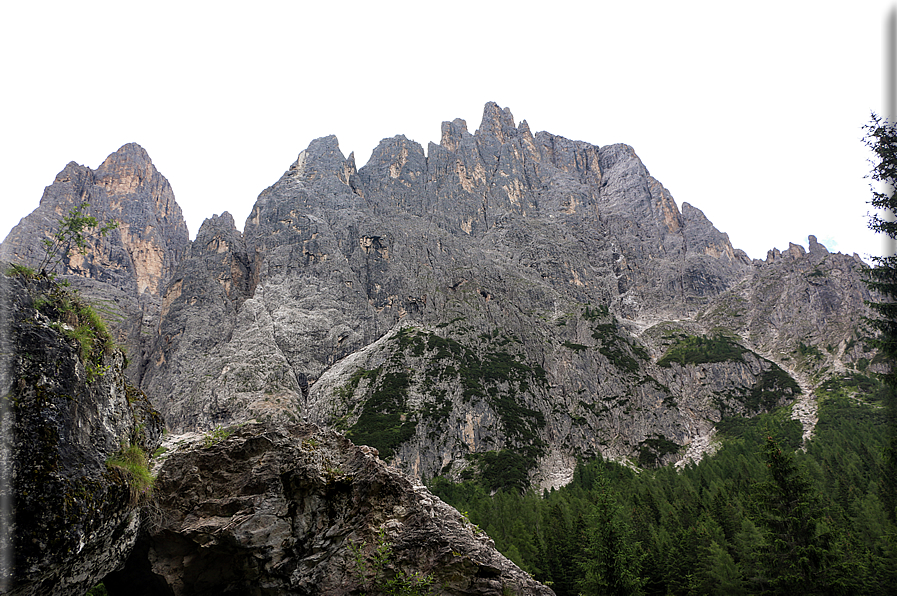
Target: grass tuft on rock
pixel 134 463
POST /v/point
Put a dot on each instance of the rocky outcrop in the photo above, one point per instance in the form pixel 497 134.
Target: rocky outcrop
pixel 279 510
pixel 68 409
pixel 126 271
pixel 802 309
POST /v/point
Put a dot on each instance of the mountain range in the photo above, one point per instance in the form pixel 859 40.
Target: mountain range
pixel 497 307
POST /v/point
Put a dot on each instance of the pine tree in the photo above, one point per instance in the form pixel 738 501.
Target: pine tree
pixel 560 555
pixel 720 574
pixel 612 559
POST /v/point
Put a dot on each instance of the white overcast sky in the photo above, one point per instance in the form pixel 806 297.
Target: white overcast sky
pixel 752 112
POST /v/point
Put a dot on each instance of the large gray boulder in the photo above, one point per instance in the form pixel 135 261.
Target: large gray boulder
pixel 265 509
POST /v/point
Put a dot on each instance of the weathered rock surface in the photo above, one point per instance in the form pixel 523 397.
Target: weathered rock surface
pixel 796 298
pixel 125 272
pixel 276 510
pixel 73 519
pixel 506 245
pixel 202 303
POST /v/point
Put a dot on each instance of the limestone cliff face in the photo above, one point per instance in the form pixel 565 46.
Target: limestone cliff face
pixel 65 413
pixel 129 268
pixel 815 299
pixel 283 508
pixel 540 258
pixel 213 326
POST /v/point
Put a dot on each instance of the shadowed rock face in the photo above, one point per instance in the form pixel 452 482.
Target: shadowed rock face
pixel 273 510
pixel 74 519
pixel 127 270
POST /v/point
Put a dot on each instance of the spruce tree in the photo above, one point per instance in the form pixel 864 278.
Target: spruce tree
pixel 612 559
pixel 804 551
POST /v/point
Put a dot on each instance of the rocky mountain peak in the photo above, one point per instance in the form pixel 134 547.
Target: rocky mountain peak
pixel 322 158
pixel 130 154
pixel 453 133
pixel 505 293
pixel 497 122
pixel 72 173
pixel 132 264
pixel 127 170
pixel 218 233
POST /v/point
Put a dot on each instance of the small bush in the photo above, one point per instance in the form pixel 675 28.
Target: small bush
pixel 574 347
pixel 380 573
pixel 97 590
pixel 217 435
pixel 809 351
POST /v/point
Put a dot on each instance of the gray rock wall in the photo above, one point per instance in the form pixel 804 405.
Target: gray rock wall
pixel 499 233
pixel 74 519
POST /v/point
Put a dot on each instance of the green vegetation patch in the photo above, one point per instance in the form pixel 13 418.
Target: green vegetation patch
pixel 777 424
pixel 857 385
pixel 218 434
pixel 618 351
pixel 593 314
pixel 503 469
pixel 769 389
pixel 652 450
pixel 809 352
pixel 132 461
pixel 697 349
pixel 18 270
pixel 575 347
pixel 79 322
pixel 490 373
pixel 384 424
pixel 346 392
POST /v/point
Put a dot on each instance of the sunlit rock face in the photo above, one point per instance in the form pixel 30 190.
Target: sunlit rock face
pixel 126 270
